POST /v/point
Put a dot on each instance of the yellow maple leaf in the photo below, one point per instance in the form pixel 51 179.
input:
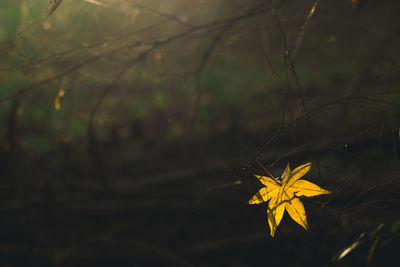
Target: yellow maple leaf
pixel 284 195
pixel 158 56
pixel 57 99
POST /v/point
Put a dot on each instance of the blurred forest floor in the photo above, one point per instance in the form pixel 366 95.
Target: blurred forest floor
pixel 131 131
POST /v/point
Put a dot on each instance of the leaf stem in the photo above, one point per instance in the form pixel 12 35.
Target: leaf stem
pixel 265 169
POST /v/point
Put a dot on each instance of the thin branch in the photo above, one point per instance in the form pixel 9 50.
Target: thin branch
pixel 304 27
pixel 343 100
pixel 254 11
pixel 202 65
pixel 379 161
pixel 163 14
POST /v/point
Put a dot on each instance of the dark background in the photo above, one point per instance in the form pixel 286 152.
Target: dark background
pixel 131 130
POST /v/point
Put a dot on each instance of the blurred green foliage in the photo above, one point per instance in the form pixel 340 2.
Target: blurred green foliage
pixel 243 83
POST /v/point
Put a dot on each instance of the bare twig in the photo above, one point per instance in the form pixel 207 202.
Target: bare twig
pixel 300 36
pixel 379 161
pixel 260 8
pixel 201 66
pixel 344 100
